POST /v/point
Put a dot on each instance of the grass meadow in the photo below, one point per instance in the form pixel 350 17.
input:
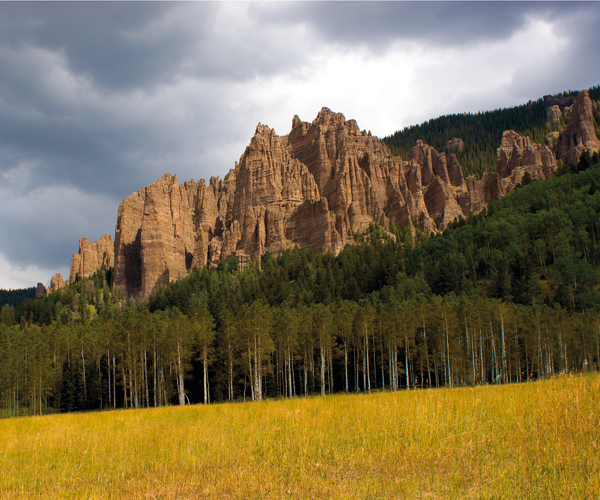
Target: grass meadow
pixel 533 440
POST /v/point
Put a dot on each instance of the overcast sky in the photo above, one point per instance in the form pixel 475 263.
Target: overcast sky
pixel 98 100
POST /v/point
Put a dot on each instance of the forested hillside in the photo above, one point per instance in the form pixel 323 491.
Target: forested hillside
pixel 481 133
pixel 507 295
pixel 17 296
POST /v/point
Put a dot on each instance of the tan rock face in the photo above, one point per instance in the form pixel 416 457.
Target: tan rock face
pixel 517 151
pixel 56 283
pixel 155 237
pixel 316 186
pixel 91 257
pixel 579 135
pixel 553 116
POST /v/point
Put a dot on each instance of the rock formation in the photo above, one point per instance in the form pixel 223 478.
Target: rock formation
pixel 553 116
pixel 455 144
pixel 318 186
pixel 516 156
pixel 84 263
pixel 579 135
pixel 561 101
pixel 57 282
pixel 154 240
pixel 40 291
pixel 91 257
pixel 518 151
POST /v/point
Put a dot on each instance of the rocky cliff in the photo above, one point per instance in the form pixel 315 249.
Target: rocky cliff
pixel 318 186
pixel 580 134
pixel 99 254
pixel 40 291
pixel 517 151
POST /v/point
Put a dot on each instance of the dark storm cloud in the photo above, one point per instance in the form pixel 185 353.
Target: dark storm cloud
pixel 121 46
pixel 112 43
pixel 364 23
pixel 432 23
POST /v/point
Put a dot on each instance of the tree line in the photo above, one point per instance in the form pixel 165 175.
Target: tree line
pixel 143 359
pixel 17 296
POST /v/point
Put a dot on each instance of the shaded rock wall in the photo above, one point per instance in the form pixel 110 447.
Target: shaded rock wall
pixel 91 257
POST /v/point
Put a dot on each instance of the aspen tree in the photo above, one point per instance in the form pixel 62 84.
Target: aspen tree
pixel 503 352
pixel 255 333
pixel 287 326
pixel 203 335
pixel 425 345
pixel 363 324
pixel 323 326
pixel 229 343
pixel 181 349
pixel 390 325
pixel 344 318
pixel 408 321
pixel 306 345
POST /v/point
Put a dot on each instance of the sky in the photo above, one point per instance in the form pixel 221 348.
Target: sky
pixel 98 100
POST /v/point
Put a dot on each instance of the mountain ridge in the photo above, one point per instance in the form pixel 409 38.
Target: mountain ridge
pixel 317 185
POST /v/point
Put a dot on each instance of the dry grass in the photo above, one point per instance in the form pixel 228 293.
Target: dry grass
pixel 536 440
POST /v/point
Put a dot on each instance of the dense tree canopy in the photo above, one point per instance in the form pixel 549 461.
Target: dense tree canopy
pixel 16 297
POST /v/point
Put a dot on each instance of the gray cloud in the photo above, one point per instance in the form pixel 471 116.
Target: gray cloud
pixel 45 225
pixel 141 45
pixel 111 43
pixel 379 23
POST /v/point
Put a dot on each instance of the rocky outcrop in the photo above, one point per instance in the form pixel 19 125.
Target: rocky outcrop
pixel 455 144
pixel 445 194
pixel 553 116
pixel 517 151
pixel 318 186
pixel 40 291
pixel 516 156
pixel 154 241
pixel 579 135
pixel 56 283
pixel 562 101
pixel 91 257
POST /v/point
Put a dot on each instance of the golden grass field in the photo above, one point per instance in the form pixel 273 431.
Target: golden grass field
pixel 533 440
